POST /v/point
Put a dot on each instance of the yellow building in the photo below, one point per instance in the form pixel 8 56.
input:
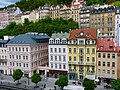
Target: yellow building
pixel 82 53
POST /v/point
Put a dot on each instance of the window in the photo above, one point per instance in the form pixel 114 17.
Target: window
pixel 16 56
pixel 64 66
pixel 55 65
pixel 19 49
pixel 74 50
pixel 64 57
pixel 23 57
pixel 26 65
pixel 88 59
pixel 70 58
pixel 81 42
pixel 20 64
pixel 17 64
pixel 108 71
pixel 93 59
pixel 113 55
pixel 26 49
pixel 19 57
pixel 70 50
pixel 99 55
pixel 59 66
pixel 93 50
pixel 88 50
pixel 55 58
pixel 23 49
pixel 104 71
pixel 103 63
pixel 64 50
pixel 13 56
pixel 26 57
pixel 74 58
pixel 99 71
pixel 108 64
pixel 99 63
pixel 81 51
pixel 51 65
pixel 108 55
pixel 16 49
pixel 113 72
pixel 10 63
pixel 10 56
pixel 51 58
pixel 51 50
pixel 103 55
pixel 55 49
pixel 113 64
pixel 59 58
pixel 59 49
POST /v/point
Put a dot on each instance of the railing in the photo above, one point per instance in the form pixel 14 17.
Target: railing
pixel 72 71
pixel 71 62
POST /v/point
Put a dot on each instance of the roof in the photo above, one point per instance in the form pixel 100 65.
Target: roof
pixel 118 50
pixel 3 41
pixel 60 35
pixel 105 44
pixel 88 34
pixel 28 38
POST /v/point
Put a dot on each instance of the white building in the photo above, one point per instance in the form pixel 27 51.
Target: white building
pixel 27 52
pixel 117 27
pixel 58 54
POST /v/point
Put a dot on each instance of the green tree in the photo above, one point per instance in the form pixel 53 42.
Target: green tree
pixel 117 3
pixel 17 74
pixel 92 2
pixel 62 81
pixel 116 84
pixel 88 84
pixel 36 78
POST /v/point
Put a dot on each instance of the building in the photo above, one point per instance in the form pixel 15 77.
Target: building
pixel 82 53
pixel 54 11
pixel 27 52
pixel 18 19
pixel 58 54
pixel 65 12
pixel 117 26
pixel 3 54
pixel 43 11
pixel 106 59
pixel 84 16
pixel 3 18
pixel 103 19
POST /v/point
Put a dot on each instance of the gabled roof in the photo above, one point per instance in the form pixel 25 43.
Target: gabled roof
pixel 28 38
pixel 105 44
pixel 88 34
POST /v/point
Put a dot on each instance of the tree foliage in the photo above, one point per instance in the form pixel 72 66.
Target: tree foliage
pixel 36 78
pixel 117 3
pixel 17 74
pixel 116 84
pixel 33 4
pixel 48 26
pixel 88 84
pixel 62 81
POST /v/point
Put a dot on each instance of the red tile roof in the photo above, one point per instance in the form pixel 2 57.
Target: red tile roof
pixel 105 44
pixel 118 50
pixel 88 34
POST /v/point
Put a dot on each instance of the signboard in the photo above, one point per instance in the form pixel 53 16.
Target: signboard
pixel 92 77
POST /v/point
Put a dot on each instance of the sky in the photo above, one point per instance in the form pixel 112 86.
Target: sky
pixel 4 3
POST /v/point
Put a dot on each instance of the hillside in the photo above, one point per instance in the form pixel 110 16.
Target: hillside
pixel 48 26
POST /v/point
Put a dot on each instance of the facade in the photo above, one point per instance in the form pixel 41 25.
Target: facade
pixel 103 19
pixel 58 54
pixel 107 59
pixel 65 12
pixel 18 18
pixel 54 11
pixel 82 53
pixel 27 52
pixel 117 27
pixel 3 18
pixel 43 11
pixel 84 22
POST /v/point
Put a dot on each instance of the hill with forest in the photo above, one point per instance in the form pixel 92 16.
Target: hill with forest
pixel 48 26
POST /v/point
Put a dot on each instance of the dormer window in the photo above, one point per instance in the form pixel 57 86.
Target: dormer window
pixel 81 34
pixel 111 46
pixel 101 46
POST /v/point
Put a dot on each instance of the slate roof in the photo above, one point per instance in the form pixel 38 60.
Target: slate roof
pixel 3 41
pixel 28 38
pixel 60 35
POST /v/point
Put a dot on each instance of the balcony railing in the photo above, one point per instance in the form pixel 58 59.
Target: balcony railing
pixel 71 62
pixel 72 71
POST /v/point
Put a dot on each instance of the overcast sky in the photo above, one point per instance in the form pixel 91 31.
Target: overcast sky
pixel 4 3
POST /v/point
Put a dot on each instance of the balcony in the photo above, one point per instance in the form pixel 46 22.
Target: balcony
pixel 81 54
pixel 93 64
pixel 71 62
pixel 72 71
pixel 81 62
pixel 90 72
pixel 81 71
